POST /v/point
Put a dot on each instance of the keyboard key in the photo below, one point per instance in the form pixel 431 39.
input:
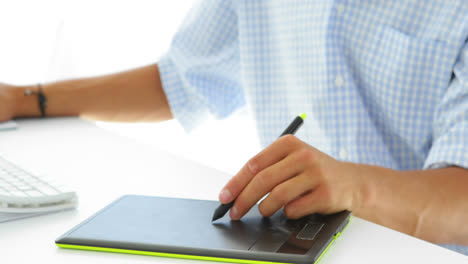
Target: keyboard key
pixel 24 192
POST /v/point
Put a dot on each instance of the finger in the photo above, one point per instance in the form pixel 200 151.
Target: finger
pixel 270 155
pixel 285 193
pixel 315 201
pixel 264 182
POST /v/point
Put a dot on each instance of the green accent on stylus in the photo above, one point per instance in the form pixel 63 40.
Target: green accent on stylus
pixel 303 116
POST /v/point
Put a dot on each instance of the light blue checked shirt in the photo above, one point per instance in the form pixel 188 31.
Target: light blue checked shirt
pixel 382 82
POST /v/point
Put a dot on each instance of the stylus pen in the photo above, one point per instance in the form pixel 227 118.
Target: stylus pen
pixel 291 129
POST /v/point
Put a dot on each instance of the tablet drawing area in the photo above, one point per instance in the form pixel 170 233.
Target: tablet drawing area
pixel 182 228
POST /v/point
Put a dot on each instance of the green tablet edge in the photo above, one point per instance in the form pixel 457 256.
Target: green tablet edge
pixel 195 257
pixel 168 255
pixel 334 238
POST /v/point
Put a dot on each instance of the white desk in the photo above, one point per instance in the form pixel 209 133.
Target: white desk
pixel 88 158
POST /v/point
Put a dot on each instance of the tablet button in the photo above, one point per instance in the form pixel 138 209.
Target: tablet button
pixel 309 231
pixel 271 240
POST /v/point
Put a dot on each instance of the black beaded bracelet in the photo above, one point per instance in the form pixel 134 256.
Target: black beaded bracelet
pixel 41 98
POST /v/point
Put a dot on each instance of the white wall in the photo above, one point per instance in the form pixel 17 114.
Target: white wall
pixel 50 40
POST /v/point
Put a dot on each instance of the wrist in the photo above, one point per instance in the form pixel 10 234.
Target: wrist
pixel 25 106
pixel 364 178
pixel 373 182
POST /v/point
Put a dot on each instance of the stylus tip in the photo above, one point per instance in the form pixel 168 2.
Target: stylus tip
pixel 221 210
pixel 216 216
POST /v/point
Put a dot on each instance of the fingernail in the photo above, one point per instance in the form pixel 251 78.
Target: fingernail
pixel 225 196
pixel 234 213
pixel 252 167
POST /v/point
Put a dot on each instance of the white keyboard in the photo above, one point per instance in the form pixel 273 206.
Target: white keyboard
pixel 24 194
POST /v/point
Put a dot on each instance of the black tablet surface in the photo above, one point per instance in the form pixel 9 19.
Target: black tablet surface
pixel 182 228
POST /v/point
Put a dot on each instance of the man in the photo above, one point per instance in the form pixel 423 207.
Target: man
pixel 384 83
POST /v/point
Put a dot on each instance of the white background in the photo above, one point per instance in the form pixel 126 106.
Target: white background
pixel 43 41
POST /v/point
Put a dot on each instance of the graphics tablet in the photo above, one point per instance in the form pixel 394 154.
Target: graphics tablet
pixel 182 228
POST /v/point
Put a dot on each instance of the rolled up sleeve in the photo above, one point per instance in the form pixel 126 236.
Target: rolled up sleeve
pixel 450 127
pixel 200 73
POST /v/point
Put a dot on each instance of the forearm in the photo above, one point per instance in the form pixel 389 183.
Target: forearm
pixel 431 204
pixel 134 95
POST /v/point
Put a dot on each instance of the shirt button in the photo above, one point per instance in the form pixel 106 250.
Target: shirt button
pixel 343 154
pixel 340 8
pixel 339 81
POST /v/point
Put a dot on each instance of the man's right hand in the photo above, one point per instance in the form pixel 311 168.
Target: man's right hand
pixel 8 99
